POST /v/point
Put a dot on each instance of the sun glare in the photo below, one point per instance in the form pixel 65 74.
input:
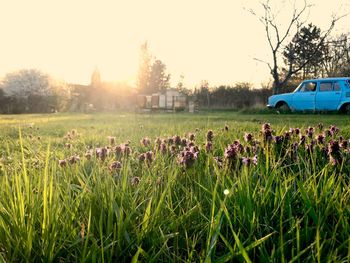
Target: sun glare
pixel 202 40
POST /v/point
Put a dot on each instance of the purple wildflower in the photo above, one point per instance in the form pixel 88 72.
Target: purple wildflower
pixel 158 141
pixel 333 147
pixel 190 143
pixel 239 146
pixel 255 149
pixel 302 138
pixel 266 132
pixel 62 163
pixel 149 157
pixel 333 130
pixel 142 157
pixel 247 161
pixel 73 159
pixel 210 136
pixel 187 158
pixel 68 146
pixel 115 166
pixel 146 142
pixel 135 181
pixel 231 152
pixel 177 139
pixel 287 136
pixel 320 139
pixel 173 149
pixel 170 141
pixel 101 153
pixel 126 149
pixel 334 152
pixel 344 144
pixel 266 126
pixel 248 137
pixel 88 154
pixel 208 146
pixel 295 147
pixel 192 136
pixel 310 132
pixel 183 142
pixel 163 148
pixel 219 161
pixel 278 139
pixel 118 151
pixel 146 157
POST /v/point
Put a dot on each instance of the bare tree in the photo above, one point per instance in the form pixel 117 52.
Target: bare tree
pixel 337 59
pixel 278 38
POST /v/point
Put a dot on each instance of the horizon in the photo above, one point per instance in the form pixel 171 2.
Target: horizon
pixel 201 40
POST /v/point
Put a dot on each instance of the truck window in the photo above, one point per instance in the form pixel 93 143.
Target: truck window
pixel 337 86
pixel 308 86
pixel 326 86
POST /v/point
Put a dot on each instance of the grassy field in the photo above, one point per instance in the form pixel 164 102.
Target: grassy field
pixel 103 188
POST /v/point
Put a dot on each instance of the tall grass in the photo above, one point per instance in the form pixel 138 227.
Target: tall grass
pixel 278 210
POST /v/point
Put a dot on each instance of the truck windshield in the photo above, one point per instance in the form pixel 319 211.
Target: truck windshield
pixel 297 88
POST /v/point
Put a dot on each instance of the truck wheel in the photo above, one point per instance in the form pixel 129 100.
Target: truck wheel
pixel 346 109
pixel 283 107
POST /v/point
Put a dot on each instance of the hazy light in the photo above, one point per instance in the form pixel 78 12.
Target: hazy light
pixel 212 40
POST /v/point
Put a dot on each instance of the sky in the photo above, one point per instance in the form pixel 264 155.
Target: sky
pixel 217 41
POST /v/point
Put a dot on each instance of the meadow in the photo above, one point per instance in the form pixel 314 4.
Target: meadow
pixel 205 187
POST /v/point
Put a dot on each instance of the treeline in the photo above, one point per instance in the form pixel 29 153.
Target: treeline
pixel 32 91
pixel 236 97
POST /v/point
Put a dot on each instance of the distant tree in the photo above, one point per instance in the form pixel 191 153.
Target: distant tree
pixel 34 91
pixel 306 52
pixel 152 76
pixel 97 96
pixel 180 86
pixel 203 94
pixel 3 102
pixel 26 82
pixel 159 79
pixel 180 83
pixel 278 37
pixel 143 78
pixel 96 79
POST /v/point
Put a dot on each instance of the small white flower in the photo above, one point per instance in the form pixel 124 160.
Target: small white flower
pixel 226 192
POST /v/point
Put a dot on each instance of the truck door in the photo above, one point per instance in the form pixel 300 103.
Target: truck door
pixel 304 97
pixel 328 95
